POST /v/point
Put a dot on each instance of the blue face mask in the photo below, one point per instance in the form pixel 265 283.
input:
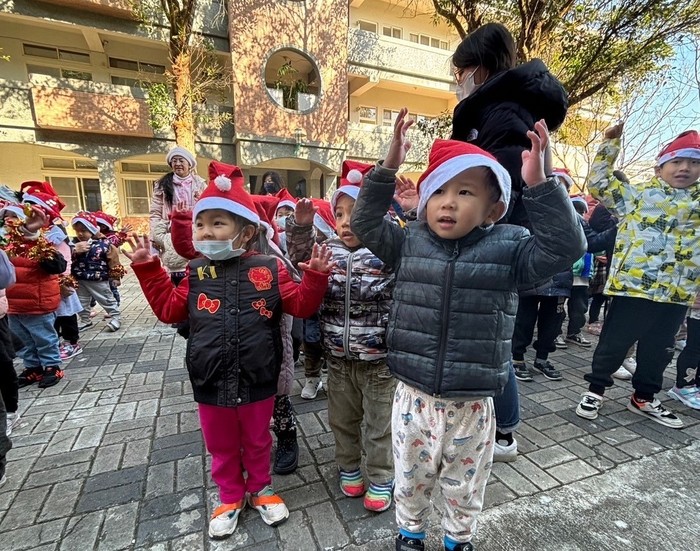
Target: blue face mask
pixel 218 250
pixel 281 222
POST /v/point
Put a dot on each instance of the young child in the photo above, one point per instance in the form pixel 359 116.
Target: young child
pixel 654 275
pixel 95 263
pixel 234 299
pixel 106 223
pixel 7 278
pixel 353 318
pixel 452 316
pixel 687 387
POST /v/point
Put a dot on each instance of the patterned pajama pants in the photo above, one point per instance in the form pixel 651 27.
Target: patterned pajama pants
pixel 445 441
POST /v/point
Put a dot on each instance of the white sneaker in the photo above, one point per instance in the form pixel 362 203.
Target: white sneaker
pixel 656 411
pixel 272 509
pixel 505 454
pixel 622 374
pixel 589 405
pixel 630 364
pixel 225 519
pixel 311 388
pixel 12 419
pixel 688 395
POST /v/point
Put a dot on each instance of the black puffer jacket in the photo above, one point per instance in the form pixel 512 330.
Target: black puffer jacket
pixel 498 114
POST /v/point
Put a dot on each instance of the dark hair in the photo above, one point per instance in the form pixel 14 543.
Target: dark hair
pixel 276 179
pixel 166 184
pixel 494 188
pixel 491 46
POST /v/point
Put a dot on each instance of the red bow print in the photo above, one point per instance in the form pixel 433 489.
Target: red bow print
pixel 259 305
pixel 205 303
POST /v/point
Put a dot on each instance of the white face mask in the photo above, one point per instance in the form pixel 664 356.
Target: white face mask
pixel 467 86
pixel 215 249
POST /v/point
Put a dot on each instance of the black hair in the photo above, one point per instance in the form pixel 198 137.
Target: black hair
pixel 580 207
pixel 491 46
pixel 167 186
pixel 492 185
pixel 276 180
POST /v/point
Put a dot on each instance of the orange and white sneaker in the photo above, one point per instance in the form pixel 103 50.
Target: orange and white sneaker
pixel 225 519
pixel 270 506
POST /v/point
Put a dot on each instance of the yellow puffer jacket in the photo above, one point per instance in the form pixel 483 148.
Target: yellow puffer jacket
pixel 657 251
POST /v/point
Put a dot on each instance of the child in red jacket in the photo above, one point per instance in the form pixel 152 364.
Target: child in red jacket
pixel 234 299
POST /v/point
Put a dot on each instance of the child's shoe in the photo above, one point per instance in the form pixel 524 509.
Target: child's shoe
pixel 688 395
pixel 352 483
pixel 311 388
pixel 547 369
pixel 225 519
pixel 522 373
pixel 114 324
pixel 655 411
pixel 272 509
pixel 68 350
pixel 622 374
pixel 378 496
pixel 287 453
pixel 579 339
pixel 466 546
pixel 560 343
pixel 407 543
pixel 589 405
pixel 503 452
pixel 51 377
pixel 85 325
pixel 30 376
pixel 12 420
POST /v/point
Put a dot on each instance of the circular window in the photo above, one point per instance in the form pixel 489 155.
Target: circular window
pixel 292 80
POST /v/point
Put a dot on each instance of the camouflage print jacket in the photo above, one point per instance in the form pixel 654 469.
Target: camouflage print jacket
pixel 657 251
pixel 355 310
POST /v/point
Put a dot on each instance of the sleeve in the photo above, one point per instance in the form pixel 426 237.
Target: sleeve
pixel 369 224
pixel 181 235
pixel 113 257
pixel 616 195
pixel 7 271
pixel 301 300
pixel 169 303
pixel 598 241
pixel 54 263
pixel 300 241
pixel 558 240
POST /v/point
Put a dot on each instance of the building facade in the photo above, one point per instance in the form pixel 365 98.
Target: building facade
pixel 313 83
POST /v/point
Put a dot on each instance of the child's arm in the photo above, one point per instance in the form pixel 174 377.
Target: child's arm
pixel 299 230
pixel 7 271
pixel 603 184
pixel 558 240
pixel 302 300
pixel 181 231
pixel 379 235
pixel 169 303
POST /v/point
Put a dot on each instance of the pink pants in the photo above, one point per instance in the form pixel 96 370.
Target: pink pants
pixel 238 438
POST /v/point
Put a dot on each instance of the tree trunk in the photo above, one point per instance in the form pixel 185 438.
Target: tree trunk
pixel 184 119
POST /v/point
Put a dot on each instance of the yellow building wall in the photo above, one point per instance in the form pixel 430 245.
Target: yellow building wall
pixel 389 99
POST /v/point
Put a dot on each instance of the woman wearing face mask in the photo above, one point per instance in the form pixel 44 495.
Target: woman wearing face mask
pixel 180 185
pixel 271 183
pixel 499 103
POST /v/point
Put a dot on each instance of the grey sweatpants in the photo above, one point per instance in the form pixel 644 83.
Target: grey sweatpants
pixel 445 441
pixel 102 294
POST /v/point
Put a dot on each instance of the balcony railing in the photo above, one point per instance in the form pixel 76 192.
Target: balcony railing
pixel 372 142
pixel 116 8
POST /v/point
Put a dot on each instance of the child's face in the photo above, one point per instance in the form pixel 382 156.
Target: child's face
pixel 283 211
pixel 343 212
pixel 219 225
pixel 679 173
pixel 104 230
pixel 81 232
pixel 463 203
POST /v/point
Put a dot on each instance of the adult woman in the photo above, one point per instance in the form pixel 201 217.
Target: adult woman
pixel 499 103
pixel 180 185
pixel 271 183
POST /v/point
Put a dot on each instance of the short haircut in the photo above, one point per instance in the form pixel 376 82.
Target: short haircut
pixel 491 46
pixel 492 186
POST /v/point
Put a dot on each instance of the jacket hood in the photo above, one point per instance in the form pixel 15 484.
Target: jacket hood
pixel 529 85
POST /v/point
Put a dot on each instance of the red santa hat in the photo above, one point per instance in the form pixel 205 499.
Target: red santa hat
pixel 264 204
pixel 88 220
pixel 225 191
pixel 686 145
pixel 105 219
pixel 450 157
pixel 285 199
pixel 178 151
pixel 565 175
pixel 44 195
pixel 351 176
pixel 324 218
pixel 14 208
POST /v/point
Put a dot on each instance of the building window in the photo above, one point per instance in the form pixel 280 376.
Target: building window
pixel 68 163
pixel 58 72
pixel 292 80
pixel 125 81
pixel 136 66
pixel 138 196
pixel 55 53
pixel 389 117
pixel 368 115
pixel 428 41
pixel 79 193
pixel 393 32
pixel 367 26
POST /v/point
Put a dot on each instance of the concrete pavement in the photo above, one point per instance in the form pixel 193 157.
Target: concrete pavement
pixel 112 458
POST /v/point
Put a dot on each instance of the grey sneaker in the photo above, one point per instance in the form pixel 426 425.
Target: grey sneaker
pixel 522 373
pixel 547 369
pixel 311 388
pixel 114 324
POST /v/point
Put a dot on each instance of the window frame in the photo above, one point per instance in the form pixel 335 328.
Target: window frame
pixel 366 21
pixel 367 120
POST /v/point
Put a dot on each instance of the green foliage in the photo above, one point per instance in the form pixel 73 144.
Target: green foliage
pixel 290 85
pixel 161 105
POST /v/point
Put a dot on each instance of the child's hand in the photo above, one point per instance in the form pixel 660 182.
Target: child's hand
pixel 81 247
pixel 36 220
pixel 614 132
pixel 406 195
pixel 320 260
pixel 127 228
pixel 304 212
pixel 181 207
pixel 116 282
pixel 141 249
pixel 533 160
pixel 399 144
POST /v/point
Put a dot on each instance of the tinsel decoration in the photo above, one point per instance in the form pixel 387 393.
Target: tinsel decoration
pixel 17 244
pixel 117 272
pixel 68 281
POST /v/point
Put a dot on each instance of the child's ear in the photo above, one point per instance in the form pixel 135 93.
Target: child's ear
pixel 497 211
pixel 657 171
pixel 248 233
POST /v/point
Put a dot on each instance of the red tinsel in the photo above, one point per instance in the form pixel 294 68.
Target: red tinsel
pixel 117 272
pixel 17 243
pixel 68 281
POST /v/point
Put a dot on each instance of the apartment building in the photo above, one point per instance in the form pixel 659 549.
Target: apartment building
pixel 313 83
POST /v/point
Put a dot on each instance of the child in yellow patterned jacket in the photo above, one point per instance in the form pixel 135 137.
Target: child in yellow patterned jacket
pixel 655 272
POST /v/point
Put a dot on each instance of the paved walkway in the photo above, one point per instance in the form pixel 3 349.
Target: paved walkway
pixel 112 458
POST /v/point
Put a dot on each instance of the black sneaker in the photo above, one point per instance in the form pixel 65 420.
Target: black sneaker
pixel 287 453
pixel 467 546
pixel 547 369
pixel 51 377
pixel 30 376
pixel 409 544
pixel 522 373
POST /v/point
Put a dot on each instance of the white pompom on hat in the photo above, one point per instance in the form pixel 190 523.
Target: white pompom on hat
pixel 565 175
pixel 181 152
pixel 225 191
pixel 351 176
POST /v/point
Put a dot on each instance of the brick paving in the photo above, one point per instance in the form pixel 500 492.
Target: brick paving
pixel 112 457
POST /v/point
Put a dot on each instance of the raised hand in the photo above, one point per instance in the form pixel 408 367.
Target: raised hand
pixel 534 159
pixel 399 143
pixel 406 195
pixel 320 260
pixel 140 249
pixel 180 207
pixel 614 131
pixel 36 220
pixel 127 228
pixel 304 212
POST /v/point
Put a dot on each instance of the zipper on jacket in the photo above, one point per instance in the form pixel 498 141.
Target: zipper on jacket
pixel 446 295
pixel 348 288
